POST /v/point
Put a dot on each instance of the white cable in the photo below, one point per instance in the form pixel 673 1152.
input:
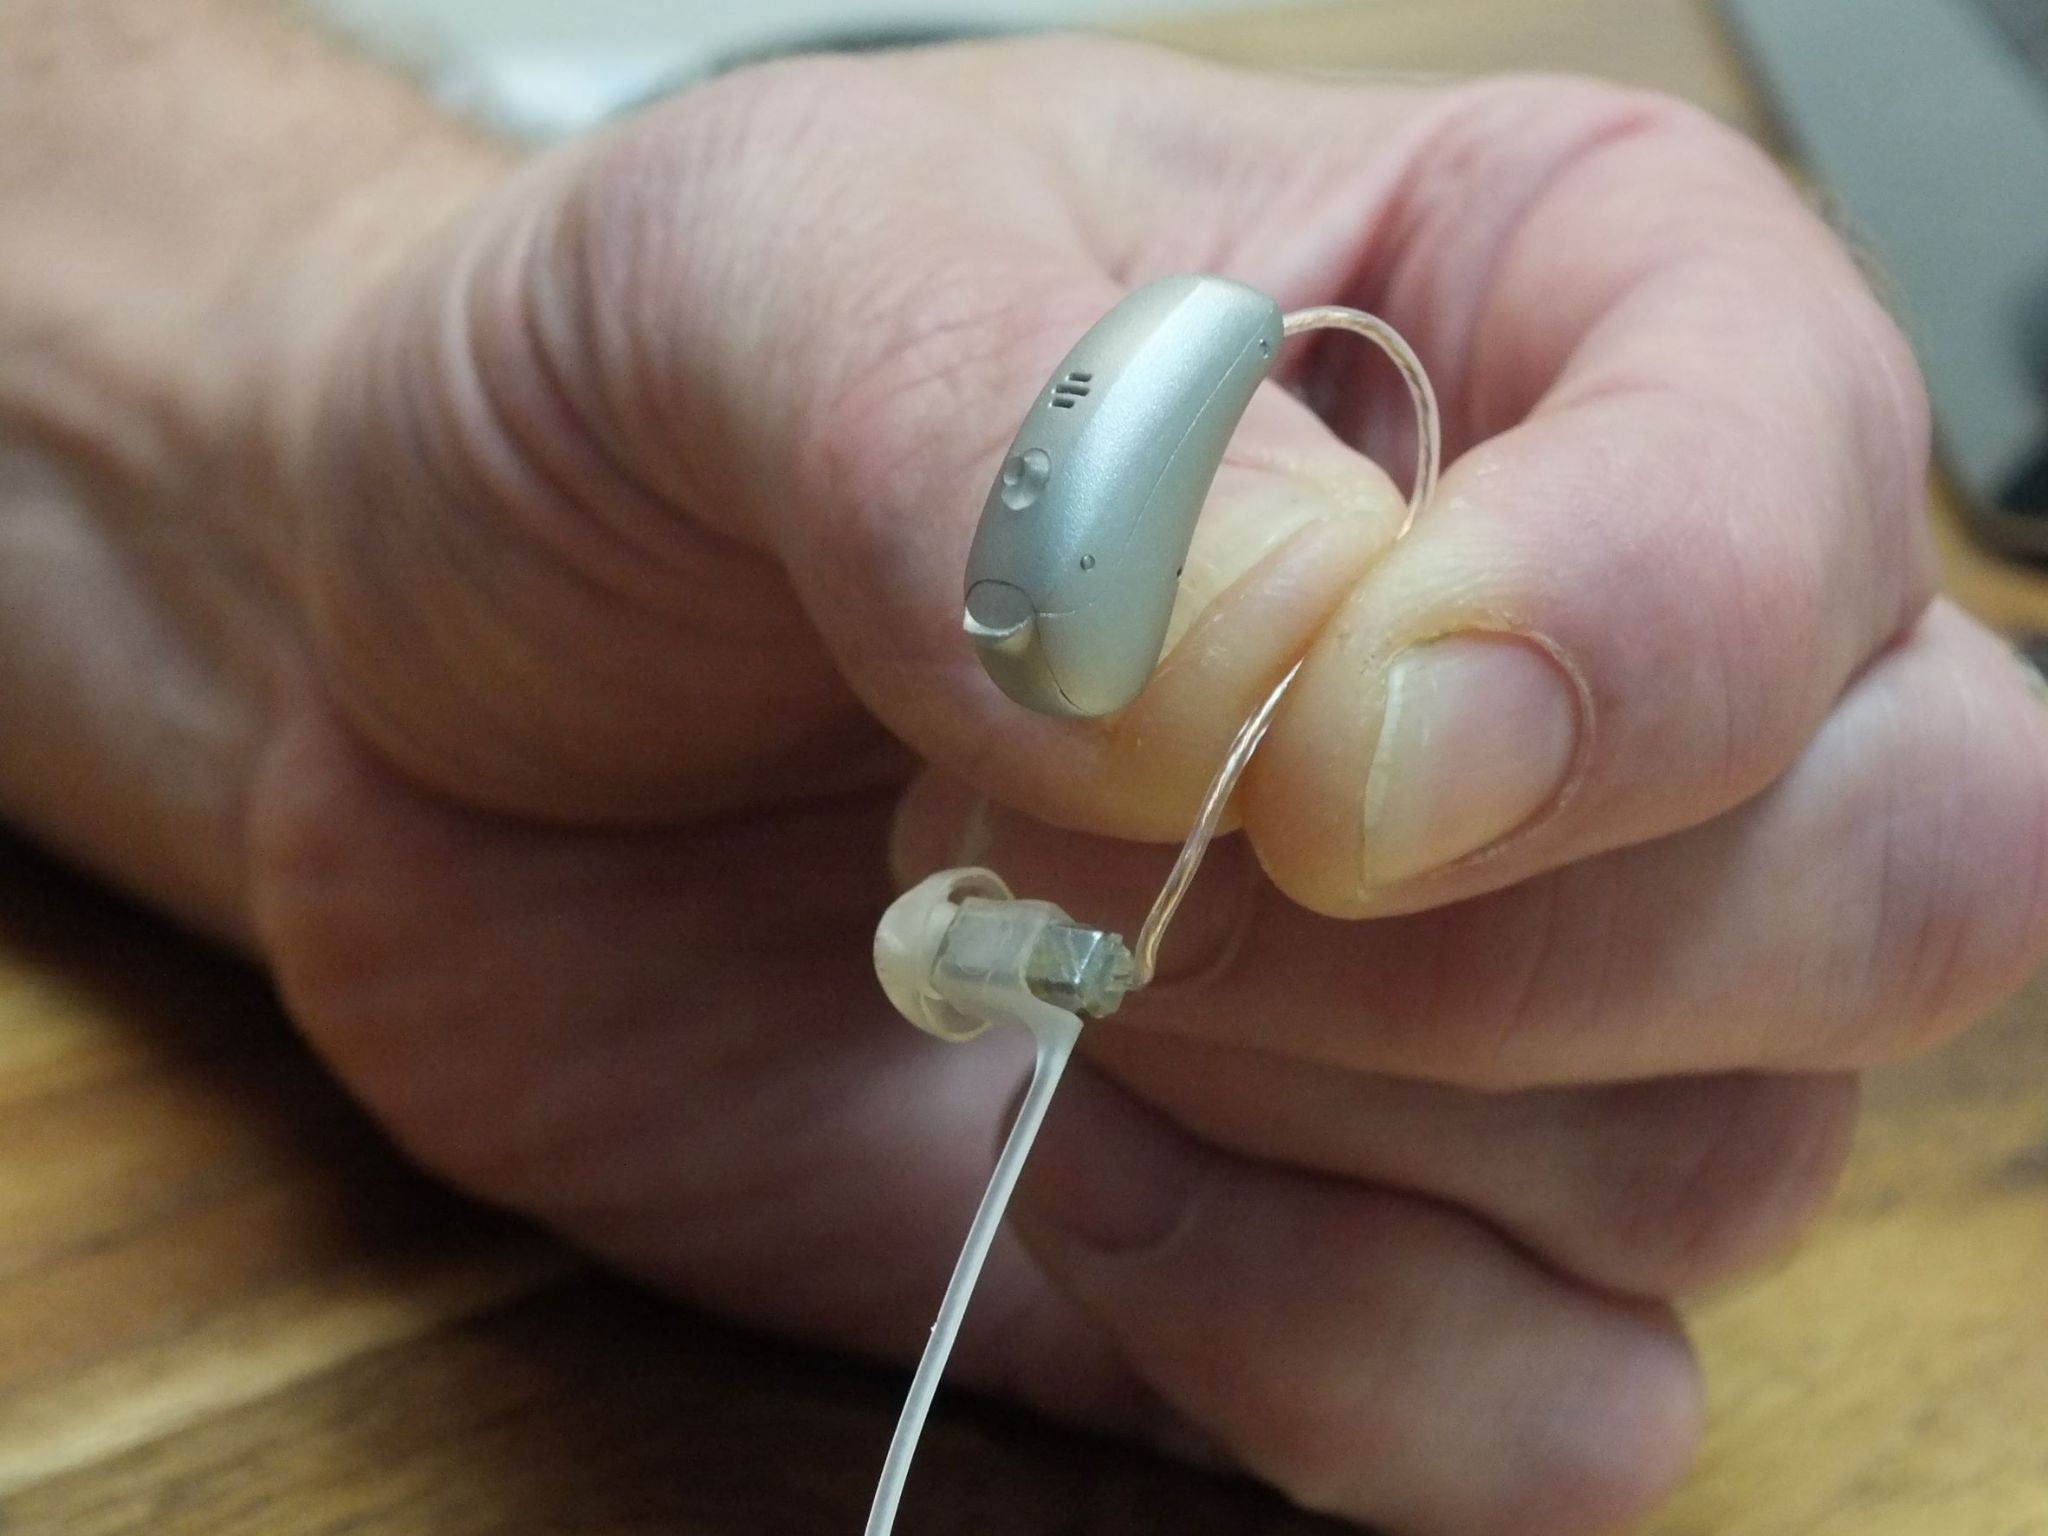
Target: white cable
pixel 1054 1048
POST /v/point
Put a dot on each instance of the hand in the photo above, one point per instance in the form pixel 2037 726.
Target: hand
pixel 1634 801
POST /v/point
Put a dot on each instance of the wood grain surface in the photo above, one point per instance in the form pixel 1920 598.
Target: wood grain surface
pixel 227 1308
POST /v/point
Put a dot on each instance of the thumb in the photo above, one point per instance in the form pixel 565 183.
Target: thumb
pixel 633 496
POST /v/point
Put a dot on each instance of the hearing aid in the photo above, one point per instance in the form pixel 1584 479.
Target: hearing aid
pixel 1070 584
pixel 1071 578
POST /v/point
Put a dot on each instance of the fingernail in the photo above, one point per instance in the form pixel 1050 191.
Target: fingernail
pixel 1107 1174
pixel 1477 738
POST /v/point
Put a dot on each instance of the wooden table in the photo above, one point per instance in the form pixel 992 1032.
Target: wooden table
pixel 226 1308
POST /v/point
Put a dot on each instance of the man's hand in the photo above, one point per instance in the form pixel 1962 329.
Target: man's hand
pixel 1638 797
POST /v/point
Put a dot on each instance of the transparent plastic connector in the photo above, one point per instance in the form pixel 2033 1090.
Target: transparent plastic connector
pixel 958 953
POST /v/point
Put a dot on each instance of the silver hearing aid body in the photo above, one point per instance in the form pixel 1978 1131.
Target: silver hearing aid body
pixel 1071 579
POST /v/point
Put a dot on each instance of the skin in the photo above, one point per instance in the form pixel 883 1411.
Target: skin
pixel 516 602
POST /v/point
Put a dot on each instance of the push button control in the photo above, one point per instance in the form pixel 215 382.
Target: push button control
pixel 1024 476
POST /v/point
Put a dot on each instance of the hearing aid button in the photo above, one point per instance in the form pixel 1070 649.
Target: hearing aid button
pixel 1024 476
pixel 999 618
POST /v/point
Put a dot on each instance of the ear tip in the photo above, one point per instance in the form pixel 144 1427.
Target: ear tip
pixel 907 945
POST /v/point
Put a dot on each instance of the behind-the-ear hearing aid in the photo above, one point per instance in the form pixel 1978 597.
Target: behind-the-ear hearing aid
pixel 1071 578
pixel 1070 585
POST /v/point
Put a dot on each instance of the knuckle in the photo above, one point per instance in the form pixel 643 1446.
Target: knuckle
pixel 1585 98
pixel 1553 962
pixel 1898 427
pixel 1321 1453
pixel 1515 983
pixel 1734 1169
pixel 1952 866
pixel 1767 622
pixel 1886 444
pixel 1587 115
pixel 1693 129
pixel 1599 1396
pixel 1920 986
pixel 1691 141
pixel 1951 952
pixel 1323 1431
pixel 1599 1456
pixel 1615 1445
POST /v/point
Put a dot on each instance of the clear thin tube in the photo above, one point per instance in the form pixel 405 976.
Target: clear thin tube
pixel 1055 1046
pixel 1428 454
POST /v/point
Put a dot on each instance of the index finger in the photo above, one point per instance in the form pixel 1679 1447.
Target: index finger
pixel 1688 512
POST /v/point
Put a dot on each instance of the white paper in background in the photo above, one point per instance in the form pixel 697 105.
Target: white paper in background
pixel 543 68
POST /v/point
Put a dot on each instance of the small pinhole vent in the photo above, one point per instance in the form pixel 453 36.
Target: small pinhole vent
pixel 1087 562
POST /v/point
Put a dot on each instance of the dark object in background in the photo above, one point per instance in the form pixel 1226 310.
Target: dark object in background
pixel 2033 645
pixel 858 38
pixel 1928 122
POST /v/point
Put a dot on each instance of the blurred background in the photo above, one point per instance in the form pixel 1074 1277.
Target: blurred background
pixel 540 67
